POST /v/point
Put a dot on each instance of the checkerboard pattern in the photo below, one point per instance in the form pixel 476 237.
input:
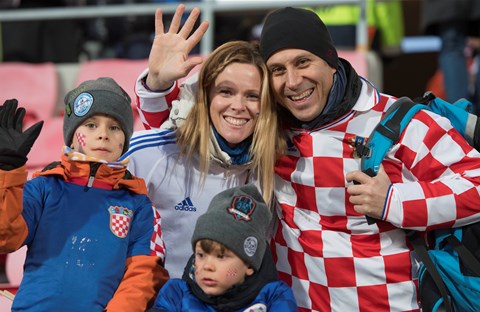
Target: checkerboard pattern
pixel 157 247
pixel 331 257
pixel 153 110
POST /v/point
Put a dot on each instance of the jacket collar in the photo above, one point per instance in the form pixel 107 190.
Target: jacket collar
pixel 104 176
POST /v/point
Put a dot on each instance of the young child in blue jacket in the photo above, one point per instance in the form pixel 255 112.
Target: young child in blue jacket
pixel 94 240
pixel 232 267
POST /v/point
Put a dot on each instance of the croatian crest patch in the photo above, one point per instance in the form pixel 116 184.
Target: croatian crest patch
pixel 120 218
pixel 242 207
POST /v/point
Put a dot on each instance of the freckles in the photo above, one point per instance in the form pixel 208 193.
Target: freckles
pixel 81 138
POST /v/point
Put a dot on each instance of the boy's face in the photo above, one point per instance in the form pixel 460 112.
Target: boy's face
pixel 101 137
pixel 216 272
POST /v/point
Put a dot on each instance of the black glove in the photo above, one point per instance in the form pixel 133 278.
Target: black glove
pixel 14 143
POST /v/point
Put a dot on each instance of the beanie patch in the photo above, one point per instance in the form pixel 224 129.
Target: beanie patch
pixel 242 207
pixel 82 104
pixel 250 246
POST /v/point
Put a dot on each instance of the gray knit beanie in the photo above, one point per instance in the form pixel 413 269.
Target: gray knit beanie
pixel 295 28
pixel 100 96
pixel 238 218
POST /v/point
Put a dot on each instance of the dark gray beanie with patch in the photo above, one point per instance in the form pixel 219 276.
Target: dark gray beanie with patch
pixel 296 28
pixel 238 218
pixel 100 96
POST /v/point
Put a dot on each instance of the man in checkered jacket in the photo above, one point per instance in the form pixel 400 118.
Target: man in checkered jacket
pixel 323 246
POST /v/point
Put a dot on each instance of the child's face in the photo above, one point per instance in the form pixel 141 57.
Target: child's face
pixel 101 137
pixel 217 272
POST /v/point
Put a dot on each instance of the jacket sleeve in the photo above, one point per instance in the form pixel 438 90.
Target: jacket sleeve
pixel 165 109
pixel 282 299
pixel 152 106
pixel 13 228
pixel 143 278
pixel 440 182
pixel 171 296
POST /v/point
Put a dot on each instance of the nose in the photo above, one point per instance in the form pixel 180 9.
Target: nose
pixel 238 103
pixel 293 79
pixel 208 264
pixel 102 132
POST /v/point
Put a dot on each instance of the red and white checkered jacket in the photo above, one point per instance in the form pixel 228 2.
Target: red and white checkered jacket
pixel 168 108
pixel 326 251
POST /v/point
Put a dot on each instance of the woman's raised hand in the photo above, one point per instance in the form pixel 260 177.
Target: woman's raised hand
pixel 169 58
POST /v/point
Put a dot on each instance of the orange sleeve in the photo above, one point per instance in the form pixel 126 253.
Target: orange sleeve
pixel 143 278
pixel 13 228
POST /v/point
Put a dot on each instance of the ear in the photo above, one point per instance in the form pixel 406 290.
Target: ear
pixel 249 271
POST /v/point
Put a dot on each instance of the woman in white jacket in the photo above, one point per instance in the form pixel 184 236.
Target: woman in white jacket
pixel 229 137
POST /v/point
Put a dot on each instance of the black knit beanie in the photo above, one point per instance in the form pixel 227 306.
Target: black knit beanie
pixel 295 28
pixel 100 96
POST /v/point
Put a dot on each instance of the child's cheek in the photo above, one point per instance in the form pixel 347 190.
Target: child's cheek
pixel 81 139
pixel 232 273
pixel 120 146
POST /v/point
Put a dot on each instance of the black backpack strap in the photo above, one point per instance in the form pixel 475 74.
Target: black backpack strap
pixel 421 250
pixel 468 259
pixel 392 128
pixel 426 98
pixel 476 135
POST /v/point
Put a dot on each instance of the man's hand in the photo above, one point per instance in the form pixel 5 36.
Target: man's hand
pixel 169 57
pixel 14 143
pixel 369 195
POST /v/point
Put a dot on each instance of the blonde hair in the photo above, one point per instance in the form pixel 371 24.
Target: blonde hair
pixel 268 142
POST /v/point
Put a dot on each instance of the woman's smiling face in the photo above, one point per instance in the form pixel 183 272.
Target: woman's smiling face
pixel 235 102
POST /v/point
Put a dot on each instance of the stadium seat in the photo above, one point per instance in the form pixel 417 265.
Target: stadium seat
pixel 33 85
pixel 48 147
pixel 14 266
pixel 123 71
pixel 5 304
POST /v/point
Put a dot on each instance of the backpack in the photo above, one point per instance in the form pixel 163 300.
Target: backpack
pixel 449 275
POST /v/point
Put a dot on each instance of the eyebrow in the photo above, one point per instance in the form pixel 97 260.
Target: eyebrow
pixel 295 59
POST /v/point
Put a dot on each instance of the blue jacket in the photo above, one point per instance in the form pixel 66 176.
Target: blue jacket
pixel 89 248
pixel 259 293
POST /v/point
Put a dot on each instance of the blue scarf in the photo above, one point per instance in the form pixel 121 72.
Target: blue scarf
pixel 338 89
pixel 238 154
